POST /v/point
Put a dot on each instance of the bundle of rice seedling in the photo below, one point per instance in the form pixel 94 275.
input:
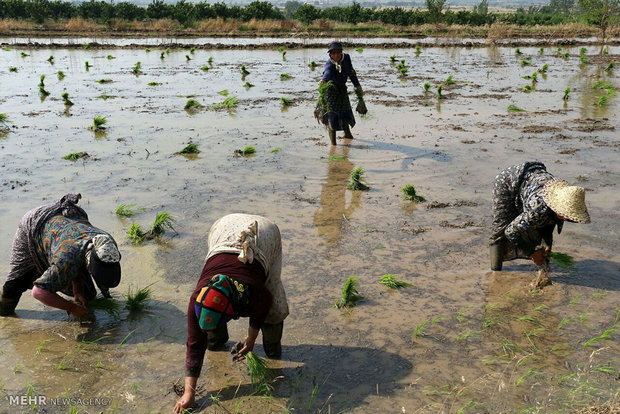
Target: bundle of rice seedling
pixel 410 194
pixel 246 151
pixel 260 374
pixel 162 222
pixel 322 106
pixel 125 210
pixel 562 260
pixel 390 281
pixel 109 306
pixel 350 295
pixel 357 175
pixel 191 148
pixel 361 105
pixel 74 156
pixel 137 301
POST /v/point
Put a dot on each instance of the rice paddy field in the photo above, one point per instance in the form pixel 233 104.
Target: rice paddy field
pixel 458 339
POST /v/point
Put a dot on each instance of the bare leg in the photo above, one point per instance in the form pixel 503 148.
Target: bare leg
pixel 332 136
pixel 347 132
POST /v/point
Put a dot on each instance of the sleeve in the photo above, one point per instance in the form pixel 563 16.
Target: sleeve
pixel 353 74
pixel 60 274
pixel 196 343
pixel 327 72
pixel 261 304
pixel 533 217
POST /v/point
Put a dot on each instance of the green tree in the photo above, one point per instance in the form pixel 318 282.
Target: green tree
pixel 600 13
pixel 435 10
pixel 261 10
pixel 307 14
pixel 290 8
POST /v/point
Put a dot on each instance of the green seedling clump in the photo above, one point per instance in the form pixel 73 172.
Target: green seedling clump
pixel 102 81
pixel 137 301
pixel 98 123
pixel 74 156
pixel 260 374
pixel 518 51
pixel 187 58
pixel 418 50
pixel 65 98
pixel 137 69
pixel 223 92
pixel 350 295
pixel 357 175
pixel 427 87
pixel 51 59
pixel 246 151
pixel 544 68
pixel 610 66
pixel 449 81
pixel 87 65
pixel 136 234
pixel 244 71
pixel 4 118
pixel 110 57
pixel 228 103
pixel 393 58
pixel 162 55
pixel 109 306
pixel 205 68
pixel 541 51
pixel 515 108
pixel 191 148
pixel 312 65
pixel 285 76
pixel 24 54
pixel 248 85
pixel 602 100
pixel 162 222
pixel 566 93
pixel 13 69
pixel 439 89
pixel 125 210
pixel 360 49
pixel 361 104
pixel 410 194
pixel 390 281
pixel 154 83
pixel 562 260
pixel 192 104
pixel 286 101
pixel 61 75
pixel 322 105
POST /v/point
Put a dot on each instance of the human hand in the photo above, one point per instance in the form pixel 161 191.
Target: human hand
pixel 539 256
pixel 79 298
pixel 186 401
pixel 78 310
pixel 248 345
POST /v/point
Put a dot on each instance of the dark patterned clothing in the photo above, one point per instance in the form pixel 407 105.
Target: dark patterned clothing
pixel 340 112
pixel 520 214
pixel 63 241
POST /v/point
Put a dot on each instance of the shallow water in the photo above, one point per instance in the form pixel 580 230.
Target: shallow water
pixel 485 343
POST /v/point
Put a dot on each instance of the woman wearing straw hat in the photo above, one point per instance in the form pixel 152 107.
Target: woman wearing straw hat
pixel 338 69
pixel 528 202
pixel 241 277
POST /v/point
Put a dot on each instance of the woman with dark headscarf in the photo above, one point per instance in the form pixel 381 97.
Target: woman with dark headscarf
pixel 338 69
pixel 241 278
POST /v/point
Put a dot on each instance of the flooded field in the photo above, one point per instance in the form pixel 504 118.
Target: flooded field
pixel 461 339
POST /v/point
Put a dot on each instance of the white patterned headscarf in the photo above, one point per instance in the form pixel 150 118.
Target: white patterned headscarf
pixel 105 249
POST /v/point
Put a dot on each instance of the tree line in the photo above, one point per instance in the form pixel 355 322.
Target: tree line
pixel 557 12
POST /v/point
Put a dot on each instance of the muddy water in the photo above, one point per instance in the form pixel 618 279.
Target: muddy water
pixel 460 338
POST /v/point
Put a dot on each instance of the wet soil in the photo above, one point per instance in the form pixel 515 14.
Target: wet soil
pixel 460 339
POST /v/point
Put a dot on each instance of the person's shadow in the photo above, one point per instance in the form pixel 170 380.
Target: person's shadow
pixel 338 377
pixel 598 274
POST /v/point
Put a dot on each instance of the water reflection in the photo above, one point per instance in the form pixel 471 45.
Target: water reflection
pixel 333 212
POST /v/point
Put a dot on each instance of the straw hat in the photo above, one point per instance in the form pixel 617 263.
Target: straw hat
pixel 567 200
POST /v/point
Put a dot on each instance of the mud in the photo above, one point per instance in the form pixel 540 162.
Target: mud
pixel 486 342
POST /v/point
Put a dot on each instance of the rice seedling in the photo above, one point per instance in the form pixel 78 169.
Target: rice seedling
pixel 191 148
pixel 515 108
pixel 41 345
pixel 565 55
pixel 534 77
pixel 192 50
pixel 390 281
pixel 99 365
pixel 274 150
pixel 286 101
pixel 467 334
pixel 562 260
pixel 472 406
pixel 360 49
pixel 223 92
pixel 449 81
pixel 527 88
pixel 51 59
pixel 249 150
pixel 357 175
pixel 43 92
pixel 7 48
pixel 87 65
pixel 65 98
pixel 244 71
pixel 393 58
pixel 602 100
pixel 526 62
pixel 610 66
pixel 418 50
pixel 419 329
pixel 543 68
pixel 260 374
pixel 13 69
pixel 104 97
pixel 61 75
pixel 110 57
pixel 582 51
pixel 86 46
pixel 16 369
pixel 167 50
pixel 4 118
pixel 135 233
pixel 565 98
pixel 248 85
pixel 192 104
pixel 162 55
pixel 607 369
pixel 102 81
pixel 24 54
pixel 154 83
pixel 350 295
pixel 322 105
pixel 137 69
pixel 439 89
pixel 605 51
pixel 529 374
pixel 74 156
pixel 583 59
pixel 285 76
pixel 137 301
pixel 282 52
pixel 162 222
pixel 541 51
pixel 126 337
pixel 228 103
pixel 312 65
pixel 605 335
pixel 125 210
pixel 361 104
pixel 533 320
pixel 409 193
pixel 518 51
pixel 403 70
pixel 187 58
pixel 42 81
pixel 210 60
pixel 427 87
pixel 98 123
pixel 109 306
pixel 205 68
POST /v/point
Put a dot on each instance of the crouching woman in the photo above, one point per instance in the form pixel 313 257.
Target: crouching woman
pixel 241 278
